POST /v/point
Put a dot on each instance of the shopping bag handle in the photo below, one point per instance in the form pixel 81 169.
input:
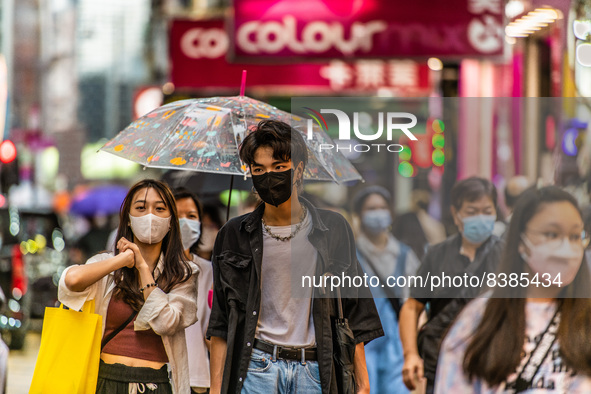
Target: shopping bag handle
pixel 88 307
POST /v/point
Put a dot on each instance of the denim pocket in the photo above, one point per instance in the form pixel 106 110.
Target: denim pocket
pixel 313 371
pixel 259 362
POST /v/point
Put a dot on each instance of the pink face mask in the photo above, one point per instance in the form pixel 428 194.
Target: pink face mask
pixel 546 258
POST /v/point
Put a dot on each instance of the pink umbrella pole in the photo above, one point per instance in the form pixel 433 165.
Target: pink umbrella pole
pixel 243 83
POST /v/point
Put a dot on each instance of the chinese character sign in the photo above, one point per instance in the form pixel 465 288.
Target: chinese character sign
pixel 198 52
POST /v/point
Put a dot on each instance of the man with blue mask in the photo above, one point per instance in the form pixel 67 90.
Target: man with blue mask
pixel 473 250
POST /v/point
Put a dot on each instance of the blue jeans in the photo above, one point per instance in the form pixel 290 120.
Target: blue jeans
pixel 280 376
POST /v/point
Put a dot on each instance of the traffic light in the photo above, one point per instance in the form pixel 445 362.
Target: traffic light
pixel 9 171
pixel 7 151
pixel 427 151
pixel 438 142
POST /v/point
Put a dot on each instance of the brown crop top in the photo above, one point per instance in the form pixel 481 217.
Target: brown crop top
pixel 145 344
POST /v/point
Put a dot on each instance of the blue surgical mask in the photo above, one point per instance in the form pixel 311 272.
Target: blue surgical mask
pixel 377 220
pixel 478 228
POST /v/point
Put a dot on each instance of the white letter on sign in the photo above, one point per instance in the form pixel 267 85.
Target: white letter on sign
pixel 243 37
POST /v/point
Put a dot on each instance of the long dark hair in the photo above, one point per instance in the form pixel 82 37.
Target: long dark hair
pixel 176 269
pixel 494 352
pixel 182 193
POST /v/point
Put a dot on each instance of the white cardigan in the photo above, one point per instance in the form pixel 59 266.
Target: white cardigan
pixel 167 314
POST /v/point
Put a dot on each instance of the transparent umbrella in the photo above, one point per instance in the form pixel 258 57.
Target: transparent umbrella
pixel 205 134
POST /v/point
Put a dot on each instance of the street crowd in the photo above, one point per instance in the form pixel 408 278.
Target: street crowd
pixel 233 318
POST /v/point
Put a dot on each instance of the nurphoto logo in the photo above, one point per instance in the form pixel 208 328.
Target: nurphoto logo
pixel 394 121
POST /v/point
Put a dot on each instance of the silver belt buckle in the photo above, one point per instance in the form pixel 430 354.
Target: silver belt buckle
pixel 275 350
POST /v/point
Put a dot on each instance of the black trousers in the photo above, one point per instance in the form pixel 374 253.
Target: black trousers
pixel 117 378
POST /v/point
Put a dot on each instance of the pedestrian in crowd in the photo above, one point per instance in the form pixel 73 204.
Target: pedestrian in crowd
pixel 146 292
pixel 516 185
pixel 189 210
pixel 474 212
pixel 95 239
pixel 263 339
pixel 381 254
pixel 211 222
pixel 535 336
pixel 417 228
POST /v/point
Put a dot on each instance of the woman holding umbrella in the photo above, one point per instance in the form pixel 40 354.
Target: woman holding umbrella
pixel 146 293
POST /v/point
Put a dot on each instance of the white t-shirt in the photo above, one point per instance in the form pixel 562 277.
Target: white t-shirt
pixel 552 377
pixel 284 319
pixel 195 334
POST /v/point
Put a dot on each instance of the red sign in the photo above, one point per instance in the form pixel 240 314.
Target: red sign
pixel 198 55
pixel 367 28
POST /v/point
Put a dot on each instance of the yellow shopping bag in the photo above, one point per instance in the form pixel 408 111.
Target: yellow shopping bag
pixel 69 355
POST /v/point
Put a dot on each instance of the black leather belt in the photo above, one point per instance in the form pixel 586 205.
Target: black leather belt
pixel 288 353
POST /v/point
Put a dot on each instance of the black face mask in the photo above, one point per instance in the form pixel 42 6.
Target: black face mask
pixel 274 187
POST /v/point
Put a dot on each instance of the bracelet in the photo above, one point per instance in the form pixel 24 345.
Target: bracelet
pixel 148 286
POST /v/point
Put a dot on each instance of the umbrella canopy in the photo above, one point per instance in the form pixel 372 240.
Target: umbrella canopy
pixel 104 200
pixel 205 184
pixel 204 135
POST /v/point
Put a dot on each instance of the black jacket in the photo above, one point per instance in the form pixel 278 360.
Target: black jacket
pixel 237 259
pixel 446 304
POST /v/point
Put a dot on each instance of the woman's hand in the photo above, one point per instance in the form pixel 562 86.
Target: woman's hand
pixel 125 245
pixel 412 371
pixel 128 258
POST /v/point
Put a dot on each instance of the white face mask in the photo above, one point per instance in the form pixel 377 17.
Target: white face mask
pixel 544 258
pixel 149 229
pixel 190 231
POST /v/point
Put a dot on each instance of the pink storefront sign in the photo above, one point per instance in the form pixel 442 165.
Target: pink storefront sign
pixel 325 29
pixel 198 55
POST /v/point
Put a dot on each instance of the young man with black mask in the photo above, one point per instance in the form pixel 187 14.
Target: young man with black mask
pixel 263 339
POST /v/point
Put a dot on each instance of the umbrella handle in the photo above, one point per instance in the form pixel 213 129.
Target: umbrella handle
pixel 243 83
pixel 339 303
pixel 338 299
pixel 229 197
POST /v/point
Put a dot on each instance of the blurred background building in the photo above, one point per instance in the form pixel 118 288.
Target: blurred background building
pixel 73 73
pixel 505 84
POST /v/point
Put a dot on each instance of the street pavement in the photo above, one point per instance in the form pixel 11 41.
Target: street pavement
pixel 21 364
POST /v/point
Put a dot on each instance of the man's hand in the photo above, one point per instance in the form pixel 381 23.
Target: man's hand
pixel 361 376
pixel 412 371
pixel 362 390
pixel 219 347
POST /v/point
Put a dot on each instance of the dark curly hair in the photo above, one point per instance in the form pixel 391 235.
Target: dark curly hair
pixel 286 142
